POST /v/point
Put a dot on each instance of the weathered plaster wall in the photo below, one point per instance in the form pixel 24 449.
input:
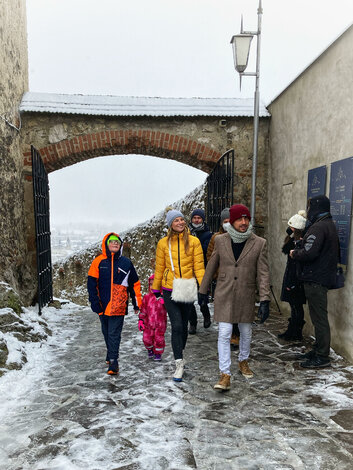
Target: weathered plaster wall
pixel 13 83
pixel 312 125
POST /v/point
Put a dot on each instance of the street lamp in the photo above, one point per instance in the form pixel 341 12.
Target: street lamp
pixel 241 48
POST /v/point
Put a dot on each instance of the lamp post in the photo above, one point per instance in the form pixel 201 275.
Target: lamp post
pixel 241 48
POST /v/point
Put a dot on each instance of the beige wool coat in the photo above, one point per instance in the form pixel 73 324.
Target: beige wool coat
pixel 234 299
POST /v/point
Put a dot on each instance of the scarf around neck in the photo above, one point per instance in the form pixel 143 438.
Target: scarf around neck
pixel 239 237
pixel 194 230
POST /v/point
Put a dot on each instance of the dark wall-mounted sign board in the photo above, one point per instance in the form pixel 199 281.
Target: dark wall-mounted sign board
pixel 316 181
pixel 341 183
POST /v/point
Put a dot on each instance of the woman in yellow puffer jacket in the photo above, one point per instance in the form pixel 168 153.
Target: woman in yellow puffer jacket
pixel 179 256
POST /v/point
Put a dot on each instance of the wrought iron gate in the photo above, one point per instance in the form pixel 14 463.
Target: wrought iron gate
pixel 42 226
pixel 220 189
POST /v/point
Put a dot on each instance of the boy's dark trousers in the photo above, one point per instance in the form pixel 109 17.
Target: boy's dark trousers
pixel 111 329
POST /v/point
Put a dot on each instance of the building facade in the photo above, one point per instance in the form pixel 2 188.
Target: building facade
pixel 311 126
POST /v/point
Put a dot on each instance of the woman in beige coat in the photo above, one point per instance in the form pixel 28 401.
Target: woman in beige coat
pixel 241 258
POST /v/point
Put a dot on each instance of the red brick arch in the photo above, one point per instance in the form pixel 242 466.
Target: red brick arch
pixel 123 142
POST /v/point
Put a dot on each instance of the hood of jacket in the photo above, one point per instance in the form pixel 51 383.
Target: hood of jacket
pixel 318 206
pixel 105 250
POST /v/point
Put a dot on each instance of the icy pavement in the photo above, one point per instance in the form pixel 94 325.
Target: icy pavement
pixel 62 411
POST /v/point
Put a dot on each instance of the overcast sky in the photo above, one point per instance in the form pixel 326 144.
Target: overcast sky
pixel 161 48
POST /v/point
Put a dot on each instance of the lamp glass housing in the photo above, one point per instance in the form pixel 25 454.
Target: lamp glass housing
pixel 241 48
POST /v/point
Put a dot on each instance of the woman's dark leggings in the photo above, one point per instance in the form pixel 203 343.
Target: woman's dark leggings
pixel 178 313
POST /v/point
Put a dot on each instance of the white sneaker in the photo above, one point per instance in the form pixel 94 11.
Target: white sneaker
pixel 179 370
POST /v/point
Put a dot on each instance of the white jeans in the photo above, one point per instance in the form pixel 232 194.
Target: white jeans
pixel 224 335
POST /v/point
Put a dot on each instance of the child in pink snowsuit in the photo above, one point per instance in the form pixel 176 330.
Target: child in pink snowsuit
pixel 153 323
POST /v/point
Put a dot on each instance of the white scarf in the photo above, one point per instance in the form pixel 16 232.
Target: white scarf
pixel 239 237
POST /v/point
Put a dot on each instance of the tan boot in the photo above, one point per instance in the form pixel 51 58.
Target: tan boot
pixel 224 382
pixel 245 370
pixel 234 341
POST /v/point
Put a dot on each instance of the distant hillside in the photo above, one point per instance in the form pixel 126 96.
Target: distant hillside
pixel 70 274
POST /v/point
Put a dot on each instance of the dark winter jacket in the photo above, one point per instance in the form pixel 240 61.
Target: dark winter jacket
pixel 292 288
pixel 318 254
pixel 204 235
pixel 111 278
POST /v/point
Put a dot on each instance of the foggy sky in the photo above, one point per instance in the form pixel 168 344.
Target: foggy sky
pixel 161 48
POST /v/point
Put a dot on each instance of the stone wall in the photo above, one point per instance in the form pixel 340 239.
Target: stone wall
pixel 199 141
pixel 13 83
pixel 311 125
pixel 70 274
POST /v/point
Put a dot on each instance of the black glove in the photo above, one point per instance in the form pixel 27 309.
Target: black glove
pixel 202 299
pixel 264 310
pixel 157 294
pixel 289 231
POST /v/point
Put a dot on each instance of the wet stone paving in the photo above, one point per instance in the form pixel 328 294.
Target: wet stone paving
pixel 79 417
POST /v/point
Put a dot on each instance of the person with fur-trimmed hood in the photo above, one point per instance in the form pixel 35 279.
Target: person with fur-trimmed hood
pixel 112 278
pixel 179 260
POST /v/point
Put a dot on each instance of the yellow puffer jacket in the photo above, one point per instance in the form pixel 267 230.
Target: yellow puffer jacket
pixel 185 265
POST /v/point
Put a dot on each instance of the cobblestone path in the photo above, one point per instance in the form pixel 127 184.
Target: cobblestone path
pixel 79 417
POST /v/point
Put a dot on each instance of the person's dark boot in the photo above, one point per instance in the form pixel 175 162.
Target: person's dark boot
pixel 316 362
pixel 308 355
pixel 192 330
pixel 288 334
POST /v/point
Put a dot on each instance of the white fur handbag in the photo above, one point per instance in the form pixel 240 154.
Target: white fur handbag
pixel 184 290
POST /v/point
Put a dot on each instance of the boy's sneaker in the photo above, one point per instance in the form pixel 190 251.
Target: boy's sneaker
pixel 113 367
pixel 150 353
pixel 179 370
pixel 157 357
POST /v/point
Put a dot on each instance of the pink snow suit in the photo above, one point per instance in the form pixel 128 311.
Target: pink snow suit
pixel 154 316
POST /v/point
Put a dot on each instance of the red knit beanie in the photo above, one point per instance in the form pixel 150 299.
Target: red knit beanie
pixel 237 211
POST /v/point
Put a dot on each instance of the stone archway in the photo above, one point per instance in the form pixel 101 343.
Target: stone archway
pixel 122 142
pixel 66 137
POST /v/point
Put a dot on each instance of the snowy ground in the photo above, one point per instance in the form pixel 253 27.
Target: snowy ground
pixel 62 411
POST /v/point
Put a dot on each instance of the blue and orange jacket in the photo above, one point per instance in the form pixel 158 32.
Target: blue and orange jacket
pixel 111 278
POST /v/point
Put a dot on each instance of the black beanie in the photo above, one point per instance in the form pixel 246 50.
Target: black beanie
pixel 199 212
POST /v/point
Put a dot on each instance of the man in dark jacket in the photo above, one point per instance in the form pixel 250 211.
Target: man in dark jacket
pixel 318 256
pixel 199 229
